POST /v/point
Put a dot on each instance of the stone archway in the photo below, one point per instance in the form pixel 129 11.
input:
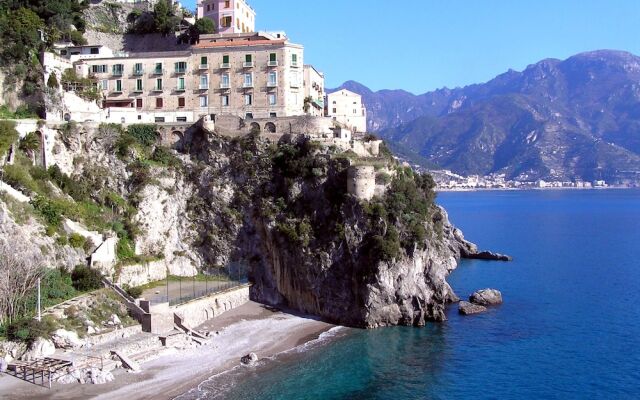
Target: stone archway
pixel 254 127
pixel 270 127
pixel 177 140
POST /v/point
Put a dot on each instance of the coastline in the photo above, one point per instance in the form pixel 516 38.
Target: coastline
pixel 249 328
pixel 509 189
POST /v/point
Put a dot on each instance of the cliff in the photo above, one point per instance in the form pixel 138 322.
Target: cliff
pixel 279 209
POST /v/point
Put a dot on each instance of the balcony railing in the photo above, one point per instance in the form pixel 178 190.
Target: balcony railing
pixel 294 64
pixel 247 85
pixel 117 72
pixel 181 70
pixel 137 90
pixel 225 85
pixel 158 71
pixel 203 66
pixel 203 87
pixel 272 63
pixel 138 72
pixel 180 89
pixel 157 89
pixel 248 64
pixel 225 66
pixel 272 84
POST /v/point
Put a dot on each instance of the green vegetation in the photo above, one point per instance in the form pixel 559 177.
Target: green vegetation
pixel 21 112
pixel 8 136
pixel 84 87
pixel 86 279
pixel 163 19
pixel 134 292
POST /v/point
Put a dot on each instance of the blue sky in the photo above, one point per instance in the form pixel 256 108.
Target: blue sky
pixel 422 45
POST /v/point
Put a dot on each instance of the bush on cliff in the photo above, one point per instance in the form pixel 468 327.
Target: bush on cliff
pixel 8 136
pixel 86 279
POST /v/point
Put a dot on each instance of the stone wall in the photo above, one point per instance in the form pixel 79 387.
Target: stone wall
pixel 141 274
pixel 230 125
pixel 361 181
pixel 104 258
pixel 199 311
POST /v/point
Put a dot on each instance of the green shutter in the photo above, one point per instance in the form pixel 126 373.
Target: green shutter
pixel 272 57
pixel 247 58
pixel 225 59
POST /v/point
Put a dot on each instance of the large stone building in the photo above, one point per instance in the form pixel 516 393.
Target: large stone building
pixel 314 93
pixel 229 16
pixel 346 108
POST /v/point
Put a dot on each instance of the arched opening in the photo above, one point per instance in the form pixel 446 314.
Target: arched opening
pixel 270 127
pixel 177 140
pixel 255 127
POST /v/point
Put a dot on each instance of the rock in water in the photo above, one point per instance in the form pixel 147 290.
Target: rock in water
pixel 489 256
pixel 466 308
pixel 249 359
pixel 486 297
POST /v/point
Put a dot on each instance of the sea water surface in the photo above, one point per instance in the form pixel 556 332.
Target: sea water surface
pixel 569 327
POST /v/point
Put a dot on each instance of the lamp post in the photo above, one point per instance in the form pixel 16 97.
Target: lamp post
pixel 38 309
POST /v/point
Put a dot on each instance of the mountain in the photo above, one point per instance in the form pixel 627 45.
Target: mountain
pixel 556 120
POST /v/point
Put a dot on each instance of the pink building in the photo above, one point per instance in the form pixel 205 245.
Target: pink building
pixel 230 16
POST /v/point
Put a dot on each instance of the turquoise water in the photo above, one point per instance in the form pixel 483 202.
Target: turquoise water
pixel 569 328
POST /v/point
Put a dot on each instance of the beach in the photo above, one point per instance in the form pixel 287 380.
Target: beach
pixel 249 328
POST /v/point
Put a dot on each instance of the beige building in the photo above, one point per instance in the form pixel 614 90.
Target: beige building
pixel 346 108
pixel 314 93
pixel 229 16
pixel 255 75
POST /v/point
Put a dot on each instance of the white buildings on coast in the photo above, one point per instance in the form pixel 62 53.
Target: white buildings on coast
pixel 237 72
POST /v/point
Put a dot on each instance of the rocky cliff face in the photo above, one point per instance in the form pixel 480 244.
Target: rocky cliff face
pixel 280 212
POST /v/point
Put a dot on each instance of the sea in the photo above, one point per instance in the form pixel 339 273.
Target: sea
pixel 569 327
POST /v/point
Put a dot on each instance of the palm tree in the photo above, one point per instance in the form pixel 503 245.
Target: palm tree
pixel 30 144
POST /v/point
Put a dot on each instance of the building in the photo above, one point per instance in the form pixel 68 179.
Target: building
pixel 254 75
pixel 314 93
pixel 347 109
pixel 230 16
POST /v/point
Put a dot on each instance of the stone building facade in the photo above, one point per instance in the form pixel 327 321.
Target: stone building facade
pixel 347 108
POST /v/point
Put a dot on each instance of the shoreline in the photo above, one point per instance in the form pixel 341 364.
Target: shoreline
pixel 249 328
pixel 533 189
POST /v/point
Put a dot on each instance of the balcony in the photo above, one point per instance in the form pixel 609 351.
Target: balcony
pixel 158 71
pixel 138 90
pixel 181 71
pixel 203 67
pixel 180 89
pixel 117 73
pixel 138 72
pixel 272 63
pixel 225 85
pixel 225 66
pixel 294 85
pixel 294 64
pixel 247 85
pixel 248 64
pixel 157 89
pixel 272 84
pixel 203 87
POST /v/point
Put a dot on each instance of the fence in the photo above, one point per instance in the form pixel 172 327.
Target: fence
pixel 180 290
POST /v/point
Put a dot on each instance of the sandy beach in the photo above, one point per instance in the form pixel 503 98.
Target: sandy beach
pixel 250 328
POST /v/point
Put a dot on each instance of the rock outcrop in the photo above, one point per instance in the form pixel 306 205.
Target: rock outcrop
pixel 249 359
pixel 466 308
pixel 486 297
pixel 489 256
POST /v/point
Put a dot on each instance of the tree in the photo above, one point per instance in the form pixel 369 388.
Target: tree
pixel 202 26
pixel 19 33
pixel 30 144
pixel 52 82
pixel 21 265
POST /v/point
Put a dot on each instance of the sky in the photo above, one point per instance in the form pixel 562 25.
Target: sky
pixel 423 45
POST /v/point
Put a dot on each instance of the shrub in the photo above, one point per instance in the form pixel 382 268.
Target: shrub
pixel 163 156
pixel 134 292
pixel 77 241
pixel 125 250
pixel 29 330
pixel 145 134
pixel 86 279
pixel 50 211
pixel 8 135
pixel 52 82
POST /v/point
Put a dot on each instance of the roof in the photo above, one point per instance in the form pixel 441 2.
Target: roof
pixel 240 43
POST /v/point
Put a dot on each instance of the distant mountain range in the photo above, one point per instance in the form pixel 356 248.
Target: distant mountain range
pixel 556 120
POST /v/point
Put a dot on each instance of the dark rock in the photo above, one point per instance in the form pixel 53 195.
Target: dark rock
pixel 249 359
pixel 466 308
pixel 490 256
pixel 486 297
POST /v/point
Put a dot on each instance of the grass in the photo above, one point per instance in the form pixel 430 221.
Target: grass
pixel 22 112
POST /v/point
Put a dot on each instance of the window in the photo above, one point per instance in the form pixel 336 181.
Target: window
pixel 224 81
pixel 225 60
pixel 98 69
pixel 158 102
pixel 204 101
pixel 273 100
pixel 181 67
pixel 273 79
pixel 181 119
pixel 225 100
pixel 159 119
pixel 117 69
pixel 204 82
pixel 181 85
pixel 248 116
pixel 248 80
pixel 238 23
pixel 137 69
pixel 335 111
pixel 248 58
pixel 159 84
pixel 181 102
pixel 138 85
pixel 104 84
pixel 355 112
pixel 248 99
pixel 95 50
pixel 138 103
pixel 203 61
pixel 225 22
pixel 119 85
pixel 227 3
pixel 273 115
pixel 208 7
pixel 158 68
pixel 294 60
pixel 295 80
pixel 273 59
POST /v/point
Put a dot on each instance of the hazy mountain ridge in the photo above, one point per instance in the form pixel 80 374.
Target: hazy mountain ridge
pixel 572 119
